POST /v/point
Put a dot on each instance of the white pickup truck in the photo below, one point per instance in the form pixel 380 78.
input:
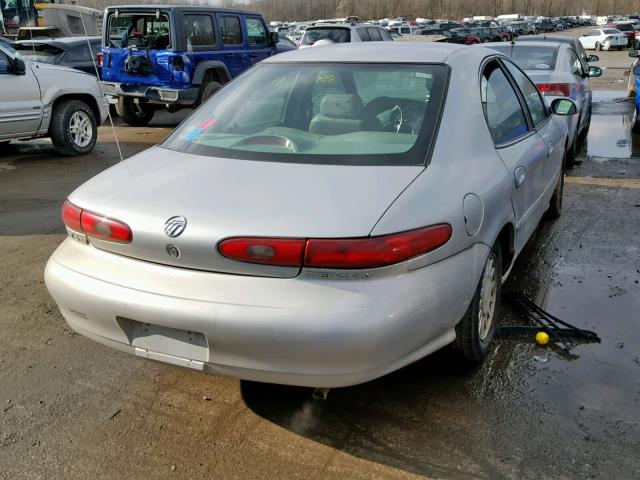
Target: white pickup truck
pixel 41 100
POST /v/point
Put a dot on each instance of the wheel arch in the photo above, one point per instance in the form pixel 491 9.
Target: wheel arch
pixel 507 241
pixel 214 70
pixel 83 97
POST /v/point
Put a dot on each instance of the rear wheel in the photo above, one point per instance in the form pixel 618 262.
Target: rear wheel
pixel 209 90
pixel 555 205
pixel 73 128
pixel 136 114
pixel 475 331
pixel 598 46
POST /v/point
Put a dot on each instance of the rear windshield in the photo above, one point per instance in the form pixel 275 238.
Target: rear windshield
pixel 611 31
pixel 336 35
pixel 355 114
pixel 139 30
pixel 530 58
pixel 41 53
pixel 624 27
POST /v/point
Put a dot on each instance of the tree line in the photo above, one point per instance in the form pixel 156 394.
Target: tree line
pixel 289 10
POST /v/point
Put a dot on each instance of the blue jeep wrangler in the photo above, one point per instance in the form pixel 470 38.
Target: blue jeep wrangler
pixel 176 56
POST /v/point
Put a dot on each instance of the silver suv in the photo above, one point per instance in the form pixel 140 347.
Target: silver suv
pixel 343 33
pixel 41 100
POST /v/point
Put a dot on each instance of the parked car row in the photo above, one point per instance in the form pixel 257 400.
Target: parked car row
pixel 303 280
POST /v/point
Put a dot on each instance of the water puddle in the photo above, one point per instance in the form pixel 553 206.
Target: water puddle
pixel 610 134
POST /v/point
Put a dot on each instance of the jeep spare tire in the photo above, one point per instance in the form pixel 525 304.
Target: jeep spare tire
pixel 136 114
pixel 73 128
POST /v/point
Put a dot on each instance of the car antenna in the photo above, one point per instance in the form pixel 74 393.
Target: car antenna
pixel 104 98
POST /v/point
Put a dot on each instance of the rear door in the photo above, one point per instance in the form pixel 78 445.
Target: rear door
pixel 235 54
pixel 257 38
pixel 20 112
pixel 540 118
pixel 522 151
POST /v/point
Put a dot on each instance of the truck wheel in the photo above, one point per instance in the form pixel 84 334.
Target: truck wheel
pixel 209 90
pixel 136 114
pixel 73 128
pixel 475 331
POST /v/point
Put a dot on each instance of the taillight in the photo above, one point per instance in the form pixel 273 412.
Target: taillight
pixel 349 253
pixel 375 251
pixel 71 216
pixel 100 59
pixel 554 89
pixel 95 225
pixel 283 252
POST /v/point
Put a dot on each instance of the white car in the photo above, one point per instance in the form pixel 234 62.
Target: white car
pixel 603 39
pixel 62 103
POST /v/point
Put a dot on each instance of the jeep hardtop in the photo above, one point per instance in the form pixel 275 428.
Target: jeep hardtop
pixel 176 56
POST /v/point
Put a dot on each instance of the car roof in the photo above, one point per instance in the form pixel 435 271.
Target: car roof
pixel 343 25
pixel 555 45
pixel 60 42
pixel 366 52
pixel 180 7
pixel 547 38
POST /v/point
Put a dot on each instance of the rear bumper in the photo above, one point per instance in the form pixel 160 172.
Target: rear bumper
pixel 185 96
pixel 300 331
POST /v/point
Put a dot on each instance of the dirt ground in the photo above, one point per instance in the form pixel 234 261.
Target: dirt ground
pixel 72 409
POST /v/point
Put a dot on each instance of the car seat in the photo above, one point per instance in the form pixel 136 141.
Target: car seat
pixel 339 113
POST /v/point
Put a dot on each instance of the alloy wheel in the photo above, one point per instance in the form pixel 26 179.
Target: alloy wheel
pixel 80 129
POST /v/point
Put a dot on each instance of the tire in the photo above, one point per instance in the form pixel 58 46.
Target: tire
pixel 570 155
pixel 635 124
pixel 73 128
pixel 136 115
pixel 555 205
pixel 474 336
pixel 598 47
pixel 619 48
pixel 113 111
pixel 582 136
pixel 209 90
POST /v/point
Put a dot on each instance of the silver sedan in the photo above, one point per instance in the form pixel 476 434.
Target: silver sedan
pixel 332 215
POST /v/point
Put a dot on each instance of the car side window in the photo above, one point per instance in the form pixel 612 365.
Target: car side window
pixel 364 34
pixel 374 34
pixel 574 63
pixel 384 35
pixel 231 31
pixel 531 95
pixel 198 30
pixel 5 66
pixel 80 53
pixel 502 109
pixel 256 32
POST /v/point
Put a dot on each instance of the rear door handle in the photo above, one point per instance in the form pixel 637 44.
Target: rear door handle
pixel 229 55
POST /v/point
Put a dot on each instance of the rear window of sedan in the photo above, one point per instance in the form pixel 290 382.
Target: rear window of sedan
pixel 624 27
pixel 39 52
pixel 332 113
pixel 336 35
pixel 610 31
pixel 530 58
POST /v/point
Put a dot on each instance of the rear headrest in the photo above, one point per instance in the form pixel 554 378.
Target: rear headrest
pixel 341 105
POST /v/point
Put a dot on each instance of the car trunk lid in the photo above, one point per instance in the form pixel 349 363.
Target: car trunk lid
pixel 222 198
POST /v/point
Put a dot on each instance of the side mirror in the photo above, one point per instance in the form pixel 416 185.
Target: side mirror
pixel 19 67
pixel 594 58
pixel 633 53
pixel 594 72
pixel 563 106
pixel 274 37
